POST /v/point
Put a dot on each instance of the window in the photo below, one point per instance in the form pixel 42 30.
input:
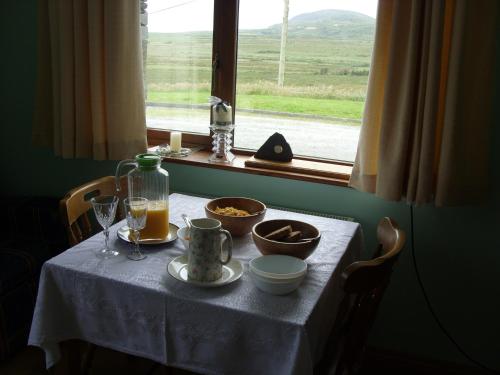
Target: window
pixel 305 77
pixel 179 65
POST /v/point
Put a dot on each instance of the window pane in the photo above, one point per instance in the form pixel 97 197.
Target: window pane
pixel 326 59
pixel 178 64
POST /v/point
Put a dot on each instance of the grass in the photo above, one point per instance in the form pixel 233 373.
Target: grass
pixel 320 107
pixel 323 76
pixel 291 104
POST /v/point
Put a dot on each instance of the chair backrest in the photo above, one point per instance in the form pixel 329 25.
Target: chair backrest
pixel 364 283
pixel 75 205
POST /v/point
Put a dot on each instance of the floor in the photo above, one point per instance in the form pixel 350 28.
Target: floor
pixel 31 362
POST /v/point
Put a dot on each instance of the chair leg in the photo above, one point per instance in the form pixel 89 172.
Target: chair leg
pixel 165 370
pixel 88 358
pixel 70 359
pixel 153 368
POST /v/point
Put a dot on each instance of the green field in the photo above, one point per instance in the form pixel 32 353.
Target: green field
pixel 324 76
pixel 339 108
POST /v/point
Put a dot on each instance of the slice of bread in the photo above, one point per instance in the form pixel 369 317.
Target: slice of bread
pixel 279 234
pixel 293 236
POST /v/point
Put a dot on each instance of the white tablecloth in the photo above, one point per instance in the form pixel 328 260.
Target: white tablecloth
pixel 138 308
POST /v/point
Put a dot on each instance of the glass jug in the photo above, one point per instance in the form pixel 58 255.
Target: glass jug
pixel 150 181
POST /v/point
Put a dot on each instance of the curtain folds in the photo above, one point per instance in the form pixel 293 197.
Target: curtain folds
pixel 425 132
pixel 90 90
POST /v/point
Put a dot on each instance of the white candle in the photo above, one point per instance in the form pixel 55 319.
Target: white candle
pixel 222 116
pixel 175 141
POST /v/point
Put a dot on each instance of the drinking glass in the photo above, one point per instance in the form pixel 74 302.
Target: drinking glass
pixel 136 209
pixel 105 211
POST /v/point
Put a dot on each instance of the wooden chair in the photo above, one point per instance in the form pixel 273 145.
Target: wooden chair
pixel 364 283
pixel 74 207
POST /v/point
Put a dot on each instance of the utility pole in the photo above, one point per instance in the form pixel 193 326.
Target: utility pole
pixel 144 40
pixel 284 33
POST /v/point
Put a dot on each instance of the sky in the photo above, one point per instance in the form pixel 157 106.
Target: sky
pixel 196 15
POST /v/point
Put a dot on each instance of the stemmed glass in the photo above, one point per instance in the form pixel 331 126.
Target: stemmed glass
pixel 136 209
pixel 105 211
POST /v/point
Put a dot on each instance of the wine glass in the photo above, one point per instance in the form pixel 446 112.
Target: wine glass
pixel 136 209
pixel 105 211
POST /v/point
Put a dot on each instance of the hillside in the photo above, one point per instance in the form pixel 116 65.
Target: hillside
pixel 328 23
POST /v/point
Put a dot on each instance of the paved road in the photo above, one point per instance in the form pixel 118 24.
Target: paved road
pixel 306 137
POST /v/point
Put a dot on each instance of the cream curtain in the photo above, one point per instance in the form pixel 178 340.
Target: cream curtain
pixel 425 132
pixel 90 95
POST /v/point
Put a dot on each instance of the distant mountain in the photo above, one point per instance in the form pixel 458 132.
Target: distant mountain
pixel 340 24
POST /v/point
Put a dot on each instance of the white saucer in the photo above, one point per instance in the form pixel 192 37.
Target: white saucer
pixel 124 232
pixel 230 272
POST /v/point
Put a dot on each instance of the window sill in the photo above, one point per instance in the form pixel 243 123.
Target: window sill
pixel 329 173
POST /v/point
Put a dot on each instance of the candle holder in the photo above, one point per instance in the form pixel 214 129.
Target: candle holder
pixel 222 143
pixel 166 151
pixel 222 126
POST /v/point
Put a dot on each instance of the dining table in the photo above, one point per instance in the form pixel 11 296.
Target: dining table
pixel 139 308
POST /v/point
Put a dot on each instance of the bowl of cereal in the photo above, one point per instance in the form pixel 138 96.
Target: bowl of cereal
pixel 237 214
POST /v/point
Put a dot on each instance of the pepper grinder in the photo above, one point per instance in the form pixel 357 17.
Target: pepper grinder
pixel 222 127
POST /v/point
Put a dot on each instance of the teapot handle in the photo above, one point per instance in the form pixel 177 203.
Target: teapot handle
pixel 120 165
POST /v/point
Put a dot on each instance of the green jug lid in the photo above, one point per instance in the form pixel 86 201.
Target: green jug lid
pixel 147 160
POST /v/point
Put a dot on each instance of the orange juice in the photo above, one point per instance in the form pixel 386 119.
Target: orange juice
pixel 156 222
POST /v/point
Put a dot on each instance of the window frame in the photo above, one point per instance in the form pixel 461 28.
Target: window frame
pixel 224 73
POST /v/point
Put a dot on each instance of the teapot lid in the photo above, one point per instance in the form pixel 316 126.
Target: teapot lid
pixel 147 160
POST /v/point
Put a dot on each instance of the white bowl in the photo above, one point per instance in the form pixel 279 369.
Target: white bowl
pixel 182 234
pixel 278 287
pixel 278 267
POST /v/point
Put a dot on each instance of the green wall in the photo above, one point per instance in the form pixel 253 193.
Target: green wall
pixel 457 249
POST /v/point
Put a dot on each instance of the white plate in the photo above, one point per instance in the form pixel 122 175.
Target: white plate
pixel 124 232
pixel 230 272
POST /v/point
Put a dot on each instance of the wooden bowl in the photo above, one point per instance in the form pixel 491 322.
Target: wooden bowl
pixel 237 225
pixel 297 249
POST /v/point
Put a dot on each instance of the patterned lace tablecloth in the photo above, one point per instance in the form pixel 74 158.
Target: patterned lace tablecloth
pixel 138 308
